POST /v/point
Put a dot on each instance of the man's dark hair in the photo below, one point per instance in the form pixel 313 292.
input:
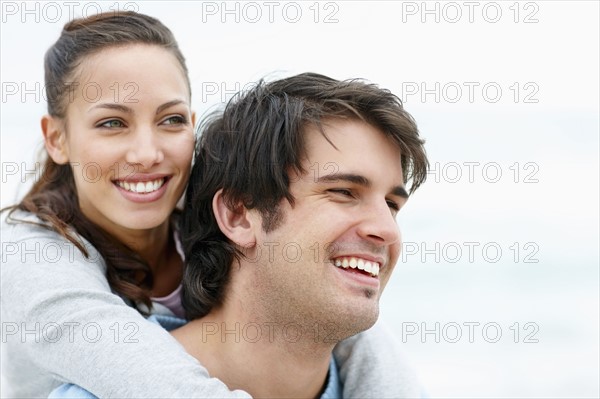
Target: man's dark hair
pixel 249 151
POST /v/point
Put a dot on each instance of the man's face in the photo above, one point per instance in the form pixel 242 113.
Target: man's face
pixel 308 269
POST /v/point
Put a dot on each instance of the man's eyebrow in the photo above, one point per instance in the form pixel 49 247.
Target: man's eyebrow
pixel 399 191
pixel 346 177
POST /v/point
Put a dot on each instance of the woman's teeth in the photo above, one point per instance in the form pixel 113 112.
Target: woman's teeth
pixel 357 263
pixel 142 187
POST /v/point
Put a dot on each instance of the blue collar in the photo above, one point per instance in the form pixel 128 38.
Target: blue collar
pixel 333 390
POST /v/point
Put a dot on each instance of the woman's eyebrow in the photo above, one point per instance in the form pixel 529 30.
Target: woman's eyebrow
pixel 116 107
pixel 168 105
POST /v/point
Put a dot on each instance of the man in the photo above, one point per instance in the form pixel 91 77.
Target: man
pixel 290 236
pixel 289 229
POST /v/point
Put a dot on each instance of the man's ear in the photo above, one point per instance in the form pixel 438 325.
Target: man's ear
pixel 237 224
pixel 55 139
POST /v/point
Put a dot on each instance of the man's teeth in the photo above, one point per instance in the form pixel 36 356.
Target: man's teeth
pixel 357 263
pixel 141 187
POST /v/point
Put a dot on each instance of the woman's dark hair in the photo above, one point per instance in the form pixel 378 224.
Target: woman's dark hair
pixel 249 150
pixel 53 197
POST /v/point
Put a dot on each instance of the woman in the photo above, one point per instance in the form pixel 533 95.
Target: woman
pixel 101 226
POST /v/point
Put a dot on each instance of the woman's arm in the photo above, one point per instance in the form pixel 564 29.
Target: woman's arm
pixel 61 323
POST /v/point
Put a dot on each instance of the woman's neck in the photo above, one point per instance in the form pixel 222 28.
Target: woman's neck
pixel 157 247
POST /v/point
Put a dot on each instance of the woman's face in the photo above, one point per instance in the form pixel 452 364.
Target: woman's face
pixel 129 136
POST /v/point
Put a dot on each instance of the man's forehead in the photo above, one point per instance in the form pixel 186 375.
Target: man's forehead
pixel 331 131
pixel 360 158
pixel 336 138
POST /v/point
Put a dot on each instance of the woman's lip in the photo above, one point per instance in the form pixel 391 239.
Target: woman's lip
pixel 138 177
pixel 145 197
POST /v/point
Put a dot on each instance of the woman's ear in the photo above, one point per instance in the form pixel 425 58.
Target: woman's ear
pixel 55 139
pixel 236 223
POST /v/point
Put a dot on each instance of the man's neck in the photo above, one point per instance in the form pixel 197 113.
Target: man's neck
pixel 261 358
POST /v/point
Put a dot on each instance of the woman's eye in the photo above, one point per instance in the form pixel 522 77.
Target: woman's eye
pixel 113 123
pixel 174 120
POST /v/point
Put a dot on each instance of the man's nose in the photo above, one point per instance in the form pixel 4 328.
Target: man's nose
pixel 379 225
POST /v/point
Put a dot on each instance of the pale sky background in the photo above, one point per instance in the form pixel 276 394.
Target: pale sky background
pixel 532 116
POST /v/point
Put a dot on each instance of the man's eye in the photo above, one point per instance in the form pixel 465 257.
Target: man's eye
pixel 393 205
pixel 342 191
pixel 175 120
pixel 113 123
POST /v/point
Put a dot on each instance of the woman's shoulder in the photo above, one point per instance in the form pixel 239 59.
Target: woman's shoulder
pixel 22 225
pixel 25 236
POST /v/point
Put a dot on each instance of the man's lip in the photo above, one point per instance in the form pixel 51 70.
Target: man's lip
pixel 358 277
pixel 371 258
pixel 142 177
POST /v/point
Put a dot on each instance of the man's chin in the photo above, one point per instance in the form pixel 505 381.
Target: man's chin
pixel 353 323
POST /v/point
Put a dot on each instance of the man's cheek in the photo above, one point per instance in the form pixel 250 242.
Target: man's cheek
pixel 385 277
